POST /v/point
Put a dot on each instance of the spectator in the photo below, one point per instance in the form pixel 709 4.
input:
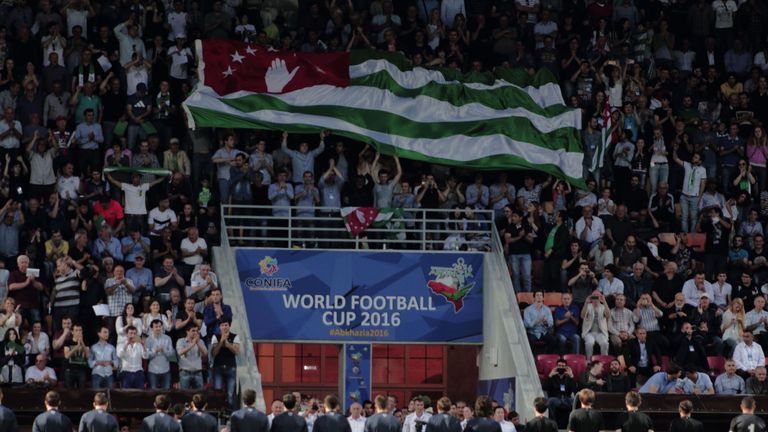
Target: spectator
pixel 135 197
pixel 538 321
pixel 133 245
pixel 641 357
pixel 733 324
pixel 699 383
pixel 225 346
pixel 76 354
pixel 756 384
pixel 621 324
pixel 567 318
pixel 663 382
pixel 616 380
pixel 216 312
pixel 153 314
pixel 691 351
pixel 729 383
pixel 159 349
pixel 131 355
pixel 202 282
pixel 595 316
pixel 40 374
pixel 102 360
pixel 748 355
pixel 166 279
pixel 190 351
pixel 756 320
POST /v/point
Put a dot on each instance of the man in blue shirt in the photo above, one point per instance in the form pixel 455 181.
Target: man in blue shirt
pixel 538 321
pixel 566 319
pixel 302 160
pixel 664 382
pixel 216 312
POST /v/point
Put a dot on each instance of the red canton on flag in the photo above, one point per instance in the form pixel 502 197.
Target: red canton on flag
pixel 232 66
pixel 358 219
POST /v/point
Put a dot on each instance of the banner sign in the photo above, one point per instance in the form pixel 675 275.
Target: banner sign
pixel 357 374
pixel 501 390
pixel 370 296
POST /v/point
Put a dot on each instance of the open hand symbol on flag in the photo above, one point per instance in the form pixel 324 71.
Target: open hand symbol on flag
pixel 277 76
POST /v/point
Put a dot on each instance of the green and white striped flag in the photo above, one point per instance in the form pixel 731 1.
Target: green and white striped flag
pixel 506 119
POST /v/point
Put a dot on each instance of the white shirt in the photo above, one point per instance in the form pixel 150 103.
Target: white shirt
pixel 77 17
pixel 188 246
pixel 10 142
pixel 692 180
pixel 748 357
pixel 507 426
pixel 409 425
pixel 179 62
pixel 131 357
pixel 761 61
pixel 159 219
pixel 595 233
pixel 721 293
pixel 68 187
pixel 35 374
pixel 135 198
pixel 178 23
pixel 611 288
pixel 449 9
pixel 724 12
pixel 692 293
pixel 356 425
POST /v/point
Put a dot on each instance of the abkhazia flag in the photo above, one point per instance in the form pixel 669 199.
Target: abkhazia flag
pixel 358 219
pixel 505 119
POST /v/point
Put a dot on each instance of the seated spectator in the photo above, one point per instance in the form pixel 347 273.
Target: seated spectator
pixel 125 321
pixel 697 382
pixel 748 355
pixel 566 318
pixel 610 284
pixel 729 383
pixel 638 282
pixel 131 355
pixel 134 244
pixel 733 323
pixel 616 380
pixel 40 373
pixel 37 341
pixel 159 349
pixel 722 290
pixel 641 357
pixel 142 280
pixel 621 324
pixel 538 321
pixel 560 387
pixel 595 316
pixel 191 350
pixel 693 288
pixel 757 384
pixel 582 284
pixel 663 382
pixel 676 316
pixel 203 280
pixel 76 354
pixel 102 360
pixel 756 320
pixel 592 377
pixel 155 314
pixel 706 318
pixel 166 278
pixel 690 350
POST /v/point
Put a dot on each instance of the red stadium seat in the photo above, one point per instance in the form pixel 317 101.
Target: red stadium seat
pixel 553 299
pixel 697 241
pixel 665 360
pixel 606 359
pixel 577 362
pixel 716 365
pixel 545 363
pixel 524 298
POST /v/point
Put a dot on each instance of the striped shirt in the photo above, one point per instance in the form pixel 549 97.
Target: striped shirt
pixel 648 319
pixel 67 290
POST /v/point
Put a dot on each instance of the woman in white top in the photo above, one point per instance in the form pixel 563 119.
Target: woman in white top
pixel 126 320
pixel 136 71
pixel 155 314
pixel 659 170
pixel 37 342
pixel 10 318
pixel 734 322
pixel 435 29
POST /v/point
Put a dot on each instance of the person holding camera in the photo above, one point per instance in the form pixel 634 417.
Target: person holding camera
pixel 595 316
pixel 560 386
pixel 581 284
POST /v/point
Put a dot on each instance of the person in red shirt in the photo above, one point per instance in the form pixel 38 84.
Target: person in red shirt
pixel 111 211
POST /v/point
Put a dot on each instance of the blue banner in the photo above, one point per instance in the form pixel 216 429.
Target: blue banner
pixel 348 296
pixel 502 390
pixel 357 374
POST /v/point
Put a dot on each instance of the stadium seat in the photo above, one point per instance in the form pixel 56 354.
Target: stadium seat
pixel 553 299
pixel 545 363
pixel 577 362
pixel 716 365
pixel 696 241
pixel 524 298
pixel 537 272
pixel 665 360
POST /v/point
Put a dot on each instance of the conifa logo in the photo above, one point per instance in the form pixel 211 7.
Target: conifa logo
pixel 452 283
pixel 268 267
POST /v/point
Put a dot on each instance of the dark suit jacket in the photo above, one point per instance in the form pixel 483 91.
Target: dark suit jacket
pixel 696 357
pixel 561 244
pixel 98 421
pixel 332 422
pixel 686 425
pixel 8 420
pixel 160 422
pixel 288 422
pixel 382 422
pixel 52 421
pixel 199 421
pixel 632 353
pixel 703 61
pixel 442 422
pixel 248 419
pixel 482 424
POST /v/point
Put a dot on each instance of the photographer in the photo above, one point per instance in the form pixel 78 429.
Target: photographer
pixel 581 284
pixel 560 386
pixel 416 420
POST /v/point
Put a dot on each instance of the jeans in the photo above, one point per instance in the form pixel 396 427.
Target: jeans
pixel 521 272
pixel 159 381
pixel 690 210
pixel 102 382
pixel 190 380
pixel 575 340
pixel 224 191
pixel 135 133
pixel 658 173
pixel 134 380
pixel 727 175
pixel 75 378
pixel 108 130
pixel 760 173
pixel 226 376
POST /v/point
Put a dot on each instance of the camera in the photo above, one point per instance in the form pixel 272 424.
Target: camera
pixel 561 371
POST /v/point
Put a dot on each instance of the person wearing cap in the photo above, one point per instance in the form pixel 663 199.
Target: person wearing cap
pixel 177 20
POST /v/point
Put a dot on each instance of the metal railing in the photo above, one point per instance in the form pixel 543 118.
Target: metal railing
pixel 324 227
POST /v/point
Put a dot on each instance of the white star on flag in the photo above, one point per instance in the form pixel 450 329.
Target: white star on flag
pixel 236 57
pixel 229 71
pixel 250 50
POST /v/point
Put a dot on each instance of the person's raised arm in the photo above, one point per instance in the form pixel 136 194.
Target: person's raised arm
pixel 399 168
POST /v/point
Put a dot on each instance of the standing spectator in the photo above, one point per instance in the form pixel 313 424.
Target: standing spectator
pixel 127 33
pixel 138 109
pixel 191 349
pixel 595 316
pixel 119 292
pixel 159 349
pixel 76 354
pixel 202 282
pixel 65 299
pixel 166 279
pixel 694 182
pixel 102 360
pixel 304 160
pixel 135 197
pixel 216 312
pixel 225 347
pixel 89 137
pixel 224 159
pixel 478 194
pixel 517 238
pixel 131 355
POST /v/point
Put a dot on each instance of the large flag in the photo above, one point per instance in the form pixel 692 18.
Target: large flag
pixel 505 119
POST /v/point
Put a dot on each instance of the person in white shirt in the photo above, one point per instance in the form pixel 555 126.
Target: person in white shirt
pixel 68 184
pixel 135 197
pixel 161 217
pixel 129 36
pixel 449 9
pixel 193 248
pixel 10 130
pixel 277 409
pixel 131 356
pixel 418 414
pixel 498 415
pixel 722 291
pixel 356 419
pixel 748 355
pixel 181 58
pixel 40 373
pixel 203 280
pixel 610 285
pixel 177 20
pixel 589 228
pixel 693 288
pixel 694 182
